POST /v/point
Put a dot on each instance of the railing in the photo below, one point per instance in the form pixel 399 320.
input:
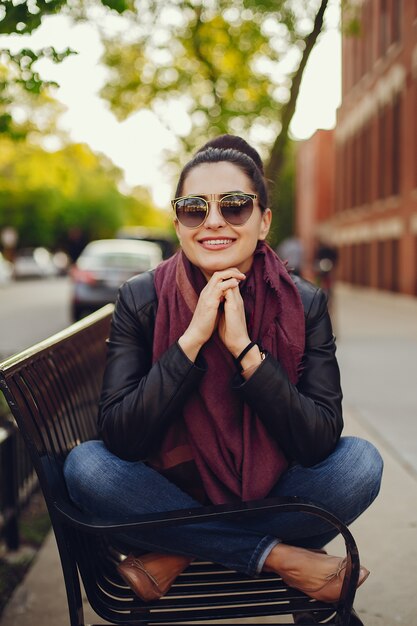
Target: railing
pixel 18 481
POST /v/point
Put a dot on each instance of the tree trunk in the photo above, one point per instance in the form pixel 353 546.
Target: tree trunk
pixel 276 159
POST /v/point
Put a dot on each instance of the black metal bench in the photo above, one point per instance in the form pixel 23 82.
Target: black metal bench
pixel 52 390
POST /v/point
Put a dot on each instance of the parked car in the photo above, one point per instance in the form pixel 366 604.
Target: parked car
pixel 103 266
pixel 6 270
pixel 165 240
pixel 33 263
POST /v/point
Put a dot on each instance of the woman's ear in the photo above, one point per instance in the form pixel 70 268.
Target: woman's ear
pixel 265 224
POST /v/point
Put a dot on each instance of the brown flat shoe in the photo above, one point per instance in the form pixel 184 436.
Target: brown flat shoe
pixel 331 588
pixel 151 575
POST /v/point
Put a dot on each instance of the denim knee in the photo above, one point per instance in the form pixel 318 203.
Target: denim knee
pixel 376 466
pixel 100 482
pixel 82 471
pixel 368 465
pixel 365 469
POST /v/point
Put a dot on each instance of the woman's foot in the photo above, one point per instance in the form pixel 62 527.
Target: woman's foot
pixel 151 575
pixel 316 574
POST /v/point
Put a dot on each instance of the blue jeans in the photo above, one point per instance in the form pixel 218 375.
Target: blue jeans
pixel 345 483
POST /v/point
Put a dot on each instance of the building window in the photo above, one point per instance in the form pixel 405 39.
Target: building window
pixel 396 146
pixel 364 269
pixel 349 173
pixel 414 122
pixel 368 163
pixel 345 263
pixel 383 27
pixel 347 66
pixel 388 264
pixel 374 126
pixel 370 36
pixel 381 152
pixel 356 58
pixel 396 20
pixel 395 251
pixel 349 265
pixel 340 179
pixel 354 262
pixel 381 264
pixel 355 171
pixel 363 40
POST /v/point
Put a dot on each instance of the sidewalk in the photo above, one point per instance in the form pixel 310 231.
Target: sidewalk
pixel 386 536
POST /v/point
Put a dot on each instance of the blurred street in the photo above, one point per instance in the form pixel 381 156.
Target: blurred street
pixel 377 340
pixel 31 310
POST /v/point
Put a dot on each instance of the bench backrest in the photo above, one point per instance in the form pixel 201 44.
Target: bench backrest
pixel 53 388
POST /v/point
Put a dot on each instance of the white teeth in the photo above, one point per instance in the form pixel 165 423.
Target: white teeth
pixel 217 242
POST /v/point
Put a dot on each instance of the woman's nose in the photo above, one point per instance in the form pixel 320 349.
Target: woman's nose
pixel 214 219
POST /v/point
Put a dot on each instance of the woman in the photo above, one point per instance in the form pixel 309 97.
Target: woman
pixel 222 385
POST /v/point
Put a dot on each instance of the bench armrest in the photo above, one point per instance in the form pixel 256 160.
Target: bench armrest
pixel 71 516
pixel 89 523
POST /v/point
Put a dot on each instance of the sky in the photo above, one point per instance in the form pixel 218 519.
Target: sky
pixel 136 144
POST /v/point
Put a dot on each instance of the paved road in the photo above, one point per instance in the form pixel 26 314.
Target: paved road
pixel 30 311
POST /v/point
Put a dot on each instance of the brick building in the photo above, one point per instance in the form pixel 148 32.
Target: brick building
pixel 315 192
pixel 373 218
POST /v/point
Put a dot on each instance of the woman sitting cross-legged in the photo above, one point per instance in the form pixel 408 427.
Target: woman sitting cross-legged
pixel 221 386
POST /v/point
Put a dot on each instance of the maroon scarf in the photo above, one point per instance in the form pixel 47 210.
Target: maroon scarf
pixel 235 457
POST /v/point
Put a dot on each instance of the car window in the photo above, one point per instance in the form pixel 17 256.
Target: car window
pixel 117 260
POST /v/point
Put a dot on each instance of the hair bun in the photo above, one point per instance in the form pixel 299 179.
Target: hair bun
pixel 234 142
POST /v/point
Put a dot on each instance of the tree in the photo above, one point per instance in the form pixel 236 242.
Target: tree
pixel 282 196
pixel 26 16
pixel 276 157
pixel 226 67
pixel 44 195
pixel 19 79
pixel 26 111
pixel 140 211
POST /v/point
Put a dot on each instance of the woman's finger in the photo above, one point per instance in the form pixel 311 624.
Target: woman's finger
pixel 214 292
pixel 235 295
pixel 234 302
pixel 231 272
pixel 235 331
pixel 226 285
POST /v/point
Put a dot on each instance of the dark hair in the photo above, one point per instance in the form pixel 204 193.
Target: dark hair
pixel 232 149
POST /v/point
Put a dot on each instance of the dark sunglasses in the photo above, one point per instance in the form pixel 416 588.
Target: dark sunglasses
pixel 235 207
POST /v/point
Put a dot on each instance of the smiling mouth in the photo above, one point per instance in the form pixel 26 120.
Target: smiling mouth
pixel 216 243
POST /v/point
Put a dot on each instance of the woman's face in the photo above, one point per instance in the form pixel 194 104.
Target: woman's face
pixel 217 245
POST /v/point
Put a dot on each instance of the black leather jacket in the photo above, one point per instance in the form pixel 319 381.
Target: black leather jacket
pixel 139 400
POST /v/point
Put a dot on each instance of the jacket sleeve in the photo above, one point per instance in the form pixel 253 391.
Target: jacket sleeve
pixel 305 419
pixel 138 400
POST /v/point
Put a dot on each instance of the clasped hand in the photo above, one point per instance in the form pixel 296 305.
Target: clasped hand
pixel 223 287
